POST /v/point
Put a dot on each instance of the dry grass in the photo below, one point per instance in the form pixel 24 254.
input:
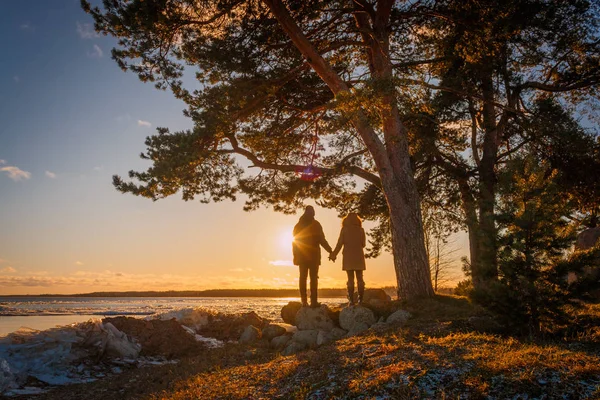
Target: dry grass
pixel 439 355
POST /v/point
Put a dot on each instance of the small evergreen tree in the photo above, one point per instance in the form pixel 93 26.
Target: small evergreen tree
pixel 534 241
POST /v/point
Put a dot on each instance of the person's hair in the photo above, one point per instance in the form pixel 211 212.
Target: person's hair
pixel 308 217
pixel 352 219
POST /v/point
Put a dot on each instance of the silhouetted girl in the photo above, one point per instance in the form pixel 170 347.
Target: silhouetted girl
pixel 353 240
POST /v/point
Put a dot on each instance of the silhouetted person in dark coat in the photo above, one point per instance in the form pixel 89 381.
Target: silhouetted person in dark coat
pixel 306 248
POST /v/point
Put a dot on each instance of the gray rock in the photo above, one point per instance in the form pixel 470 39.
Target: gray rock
pixel 314 318
pixel 353 318
pixel 399 317
pixel 293 348
pixel 338 333
pixel 250 335
pixel 307 337
pixel 289 311
pixel 324 337
pixel 358 328
pixel 273 330
pixel 280 342
pixel 379 326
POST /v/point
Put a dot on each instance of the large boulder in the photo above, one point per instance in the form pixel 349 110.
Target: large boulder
pixel 250 335
pixel 289 311
pixel 273 330
pixel 356 319
pixel 314 319
pixel 399 317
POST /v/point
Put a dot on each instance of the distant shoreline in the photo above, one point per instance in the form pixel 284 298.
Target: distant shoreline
pixel 326 292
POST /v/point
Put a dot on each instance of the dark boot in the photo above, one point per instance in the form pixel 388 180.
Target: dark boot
pixel 361 291
pixel 350 286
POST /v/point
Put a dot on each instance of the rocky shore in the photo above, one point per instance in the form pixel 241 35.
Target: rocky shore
pixel 32 362
pixel 438 348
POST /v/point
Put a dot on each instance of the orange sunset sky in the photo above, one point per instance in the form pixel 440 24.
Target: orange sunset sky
pixel 70 120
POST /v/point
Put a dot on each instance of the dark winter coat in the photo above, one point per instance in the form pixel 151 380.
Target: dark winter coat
pixel 308 239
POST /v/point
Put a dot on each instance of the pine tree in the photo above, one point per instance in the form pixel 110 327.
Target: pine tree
pixel 535 257
pixel 304 91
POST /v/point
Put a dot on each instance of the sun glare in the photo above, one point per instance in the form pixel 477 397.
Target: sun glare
pixel 285 239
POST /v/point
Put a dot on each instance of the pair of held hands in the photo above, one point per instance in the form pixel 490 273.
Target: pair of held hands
pixel 332 256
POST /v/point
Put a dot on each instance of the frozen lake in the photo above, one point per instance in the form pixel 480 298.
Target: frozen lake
pixel 42 313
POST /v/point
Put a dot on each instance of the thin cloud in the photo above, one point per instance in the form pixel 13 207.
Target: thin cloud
pixel 144 123
pixel 50 175
pixel 78 263
pixel 27 26
pixel 94 280
pixel 99 168
pixel 16 78
pixel 2 162
pixel 15 173
pixel 123 117
pixel 86 31
pixel 7 270
pixel 240 269
pixel 96 52
pixel 282 263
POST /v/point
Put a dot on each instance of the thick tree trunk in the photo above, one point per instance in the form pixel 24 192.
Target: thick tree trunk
pixel 408 245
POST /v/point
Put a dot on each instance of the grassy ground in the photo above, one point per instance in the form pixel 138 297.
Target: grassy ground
pixel 445 352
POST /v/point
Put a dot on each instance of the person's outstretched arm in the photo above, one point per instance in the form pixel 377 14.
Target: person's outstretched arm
pixel 323 241
pixel 338 246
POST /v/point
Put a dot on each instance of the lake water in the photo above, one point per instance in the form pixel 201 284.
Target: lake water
pixel 47 312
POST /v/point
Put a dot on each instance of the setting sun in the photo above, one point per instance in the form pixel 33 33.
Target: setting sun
pixel 285 240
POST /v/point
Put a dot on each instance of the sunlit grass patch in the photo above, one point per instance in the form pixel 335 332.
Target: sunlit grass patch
pixel 237 382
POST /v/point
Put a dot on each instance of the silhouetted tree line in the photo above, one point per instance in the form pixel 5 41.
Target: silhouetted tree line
pixel 325 292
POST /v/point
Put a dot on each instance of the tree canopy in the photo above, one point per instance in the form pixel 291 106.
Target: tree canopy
pixel 377 106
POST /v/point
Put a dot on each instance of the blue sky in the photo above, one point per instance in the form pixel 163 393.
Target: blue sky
pixel 70 120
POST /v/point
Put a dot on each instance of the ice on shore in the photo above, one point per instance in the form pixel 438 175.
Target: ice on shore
pixel 58 356
pixel 208 341
pixel 192 317
pixel 71 354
